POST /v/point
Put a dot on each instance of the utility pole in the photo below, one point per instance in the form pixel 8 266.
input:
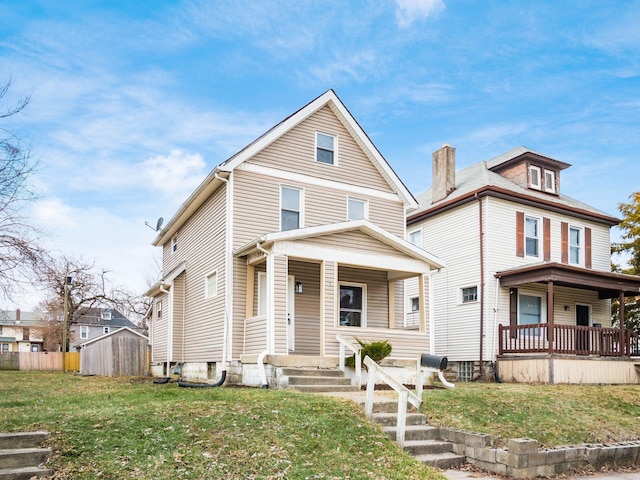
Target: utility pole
pixel 67 285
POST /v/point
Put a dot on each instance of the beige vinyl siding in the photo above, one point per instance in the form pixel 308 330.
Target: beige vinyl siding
pixel 201 243
pixel 239 304
pixel 255 336
pixel 280 304
pixel 159 329
pixel 354 240
pixel 295 152
pixel 307 307
pixel 257 207
pixel 178 316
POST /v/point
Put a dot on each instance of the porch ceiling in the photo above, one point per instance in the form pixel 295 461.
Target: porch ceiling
pixel 607 284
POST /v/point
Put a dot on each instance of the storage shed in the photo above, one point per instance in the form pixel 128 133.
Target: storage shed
pixel 122 352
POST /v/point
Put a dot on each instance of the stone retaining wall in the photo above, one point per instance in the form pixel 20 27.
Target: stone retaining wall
pixel 523 458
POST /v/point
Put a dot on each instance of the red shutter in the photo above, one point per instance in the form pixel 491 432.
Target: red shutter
pixel 520 234
pixel 587 247
pixel 546 226
pixel 564 231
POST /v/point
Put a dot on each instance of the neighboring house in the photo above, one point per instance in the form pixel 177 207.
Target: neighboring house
pixel 297 238
pixel 89 323
pixel 528 281
pixel 20 331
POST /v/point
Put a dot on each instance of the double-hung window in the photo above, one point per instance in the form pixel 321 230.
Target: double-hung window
pixel 325 148
pixel 532 236
pixel 211 285
pixel 416 238
pixel 105 315
pixel 356 209
pixel 530 310
pixel 550 181
pixel 290 208
pixel 352 305
pixel 575 245
pixel 106 330
pixel 174 244
pixel 84 332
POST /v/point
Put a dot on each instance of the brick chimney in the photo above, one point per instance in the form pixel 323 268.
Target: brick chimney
pixel 17 315
pixel 444 172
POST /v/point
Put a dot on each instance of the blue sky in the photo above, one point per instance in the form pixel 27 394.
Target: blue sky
pixel 134 102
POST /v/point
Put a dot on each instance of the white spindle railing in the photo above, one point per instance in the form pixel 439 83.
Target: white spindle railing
pixel 344 344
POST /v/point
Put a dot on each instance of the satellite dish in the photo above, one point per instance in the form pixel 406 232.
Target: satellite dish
pixel 158 224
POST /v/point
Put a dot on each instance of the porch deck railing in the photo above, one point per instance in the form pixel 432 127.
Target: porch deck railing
pixel 567 339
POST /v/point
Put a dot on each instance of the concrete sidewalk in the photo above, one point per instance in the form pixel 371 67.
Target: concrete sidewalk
pixel 474 475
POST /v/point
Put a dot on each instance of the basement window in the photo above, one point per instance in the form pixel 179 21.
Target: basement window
pixel 465 371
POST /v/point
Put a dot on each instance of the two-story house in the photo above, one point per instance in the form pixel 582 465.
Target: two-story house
pixel 20 331
pixel 90 323
pixel 528 281
pixel 296 239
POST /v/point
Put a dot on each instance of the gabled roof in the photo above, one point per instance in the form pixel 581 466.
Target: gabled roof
pixel 114 332
pixel 27 319
pixel 481 179
pixel 364 226
pixel 221 172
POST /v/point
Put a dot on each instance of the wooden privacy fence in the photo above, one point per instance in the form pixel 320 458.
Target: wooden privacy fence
pixel 39 361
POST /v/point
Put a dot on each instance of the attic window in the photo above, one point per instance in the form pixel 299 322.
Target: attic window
pixel 550 181
pixel 325 148
pixel 174 244
pixel 535 177
pixel 106 315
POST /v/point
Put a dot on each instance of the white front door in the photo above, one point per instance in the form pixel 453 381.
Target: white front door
pixel 291 285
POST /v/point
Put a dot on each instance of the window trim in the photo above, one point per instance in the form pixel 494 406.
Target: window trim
pixel 159 309
pixel 365 208
pixel 106 315
pixel 461 300
pixel 207 293
pixel 334 151
pixel 2 347
pixel 580 246
pixel 538 238
pixel 300 205
pixel 550 187
pixel 411 234
pixel 363 310
pixel 543 307
pixel 106 330
pixel 84 332
pixel 174 244
pixel 538 184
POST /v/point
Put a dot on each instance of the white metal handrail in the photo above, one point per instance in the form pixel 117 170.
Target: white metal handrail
pixel 405 396
pixel 344 344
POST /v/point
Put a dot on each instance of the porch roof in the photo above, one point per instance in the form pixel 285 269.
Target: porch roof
pixel 607 284
pixel 365 226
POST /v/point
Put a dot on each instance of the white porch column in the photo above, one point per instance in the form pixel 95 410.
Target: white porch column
pixel 270 304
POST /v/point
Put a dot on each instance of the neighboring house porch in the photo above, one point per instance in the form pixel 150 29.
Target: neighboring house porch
pixel 561 321
pixel 305 286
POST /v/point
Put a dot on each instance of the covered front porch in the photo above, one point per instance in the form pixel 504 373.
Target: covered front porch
pixel 572 340
pixel 306 286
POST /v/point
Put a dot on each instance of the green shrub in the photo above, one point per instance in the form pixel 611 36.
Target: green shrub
pixel 376 350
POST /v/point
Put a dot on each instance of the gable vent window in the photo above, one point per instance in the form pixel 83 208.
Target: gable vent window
pixel 356 209
pixel 106 315
pixel 325 148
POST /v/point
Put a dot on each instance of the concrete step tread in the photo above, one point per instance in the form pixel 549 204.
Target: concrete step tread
pixel 301 380
pixel 22 439
pixel 23 473
pixel 391 419
pixel 8 451
pixel 441 460
pixel 324 388
pixel 312 372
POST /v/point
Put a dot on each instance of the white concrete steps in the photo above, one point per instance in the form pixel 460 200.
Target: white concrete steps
pixel 316 380
pixel 21 455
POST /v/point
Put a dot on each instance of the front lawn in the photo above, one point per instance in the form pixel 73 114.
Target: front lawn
pixel 114 428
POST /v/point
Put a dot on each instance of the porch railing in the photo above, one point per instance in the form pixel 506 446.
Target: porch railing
pixel 355 349
pixel 567 339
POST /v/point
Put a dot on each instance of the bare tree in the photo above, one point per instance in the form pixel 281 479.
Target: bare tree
pixel 90 287
pixel 19 252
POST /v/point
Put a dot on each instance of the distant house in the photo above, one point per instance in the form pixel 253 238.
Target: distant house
pixel 528 283
pixel 89 323
pixel 20 331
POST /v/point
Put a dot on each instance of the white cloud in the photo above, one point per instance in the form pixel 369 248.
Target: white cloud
pixel 52 213
pixel 177 173
pixel 410 11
